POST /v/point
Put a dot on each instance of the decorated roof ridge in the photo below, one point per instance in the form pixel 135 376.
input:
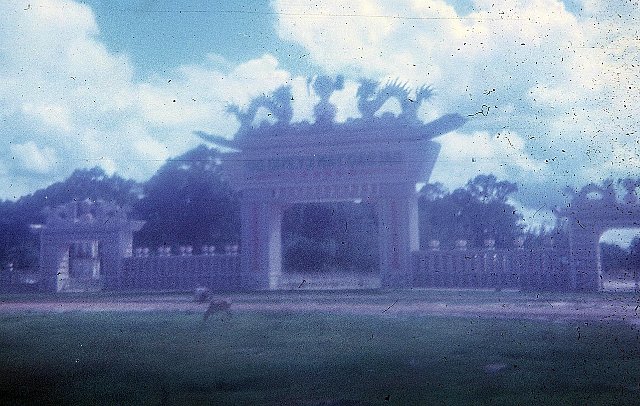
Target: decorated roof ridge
pixel 371 96
pixel 86 211
pixel 623 192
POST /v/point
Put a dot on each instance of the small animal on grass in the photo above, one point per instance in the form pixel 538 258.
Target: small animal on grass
pixel 202 294
pixel 217 306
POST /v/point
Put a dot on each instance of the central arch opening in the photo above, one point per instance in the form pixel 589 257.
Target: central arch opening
pixel 330 246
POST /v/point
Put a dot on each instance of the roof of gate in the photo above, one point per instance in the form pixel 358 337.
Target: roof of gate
pixel 87 215
pixel 371 126
pixel 616 204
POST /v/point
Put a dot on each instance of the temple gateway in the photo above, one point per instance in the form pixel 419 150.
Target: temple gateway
pixel 378 158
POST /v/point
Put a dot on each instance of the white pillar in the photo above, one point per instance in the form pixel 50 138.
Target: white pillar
pixel 54 263
pixel 584 258
pixel 261 244
pixel 398 237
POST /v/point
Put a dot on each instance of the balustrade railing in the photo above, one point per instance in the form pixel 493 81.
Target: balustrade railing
pixel 491 268
pixel 180 272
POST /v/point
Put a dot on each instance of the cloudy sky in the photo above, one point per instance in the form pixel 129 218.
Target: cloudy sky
pixel 123 84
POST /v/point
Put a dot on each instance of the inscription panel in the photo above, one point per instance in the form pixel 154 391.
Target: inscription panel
pixel 409 162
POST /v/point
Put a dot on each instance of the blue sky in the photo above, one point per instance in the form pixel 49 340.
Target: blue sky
pixel 94 82
pixel 160 36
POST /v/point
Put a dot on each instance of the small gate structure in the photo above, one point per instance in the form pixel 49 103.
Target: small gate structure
pixel 592 211
pixel 88 246
pixel 83 244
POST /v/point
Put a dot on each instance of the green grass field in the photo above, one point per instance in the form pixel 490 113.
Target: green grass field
pixel 313 359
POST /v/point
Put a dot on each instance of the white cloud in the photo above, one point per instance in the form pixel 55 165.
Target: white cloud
pixel 560 90
pixel 464 156
pixel 67 101
pixel 622 237
pixel 303 100
pixel 52 116
pixel 33 158
pixel 196 96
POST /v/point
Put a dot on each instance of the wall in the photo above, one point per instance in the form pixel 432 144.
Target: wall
pixel 523 269
pixel 535 270
pixel 219 272
pixel 538 270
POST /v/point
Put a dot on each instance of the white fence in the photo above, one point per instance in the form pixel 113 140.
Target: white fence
pixel 537 269
pixel 181 272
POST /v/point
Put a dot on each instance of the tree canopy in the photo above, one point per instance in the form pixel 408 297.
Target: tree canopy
pixel 188 203
pixel 475 212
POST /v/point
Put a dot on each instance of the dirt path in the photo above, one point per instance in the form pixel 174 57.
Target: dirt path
pixel 600 309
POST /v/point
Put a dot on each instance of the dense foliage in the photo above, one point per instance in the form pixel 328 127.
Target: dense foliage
pixel 330 236
pixel 188 203
pixel 345 236
pixel 633 262
pixel 475 212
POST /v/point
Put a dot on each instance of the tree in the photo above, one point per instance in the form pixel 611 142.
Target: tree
pixel 82 184
pixel 556 238
pixel 615 259
pixel 188 203
pixel 487 189
pixel 433 191
pixel 474 213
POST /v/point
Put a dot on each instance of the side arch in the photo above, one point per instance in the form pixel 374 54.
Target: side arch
pixel 592 211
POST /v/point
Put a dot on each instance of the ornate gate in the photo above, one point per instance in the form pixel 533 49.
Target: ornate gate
pixel 378 158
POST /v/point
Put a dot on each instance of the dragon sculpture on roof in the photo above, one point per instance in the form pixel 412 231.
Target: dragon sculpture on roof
pixel 371 97
pixel 278 104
